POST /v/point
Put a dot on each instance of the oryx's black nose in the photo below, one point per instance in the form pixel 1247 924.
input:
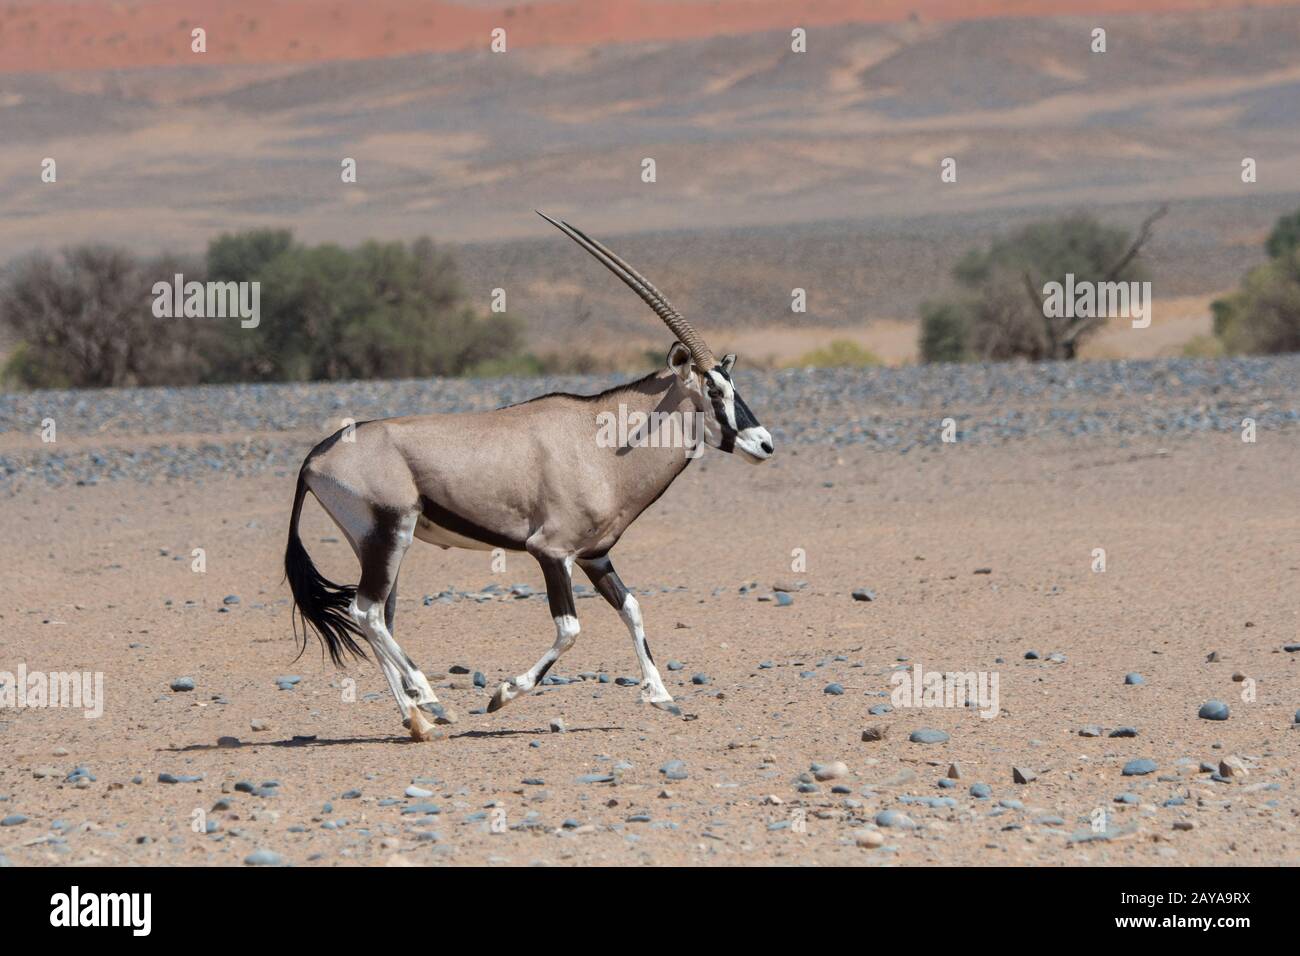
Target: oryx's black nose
pixel 766 446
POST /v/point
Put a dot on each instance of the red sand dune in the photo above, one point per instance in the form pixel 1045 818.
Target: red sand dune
pixel 99 34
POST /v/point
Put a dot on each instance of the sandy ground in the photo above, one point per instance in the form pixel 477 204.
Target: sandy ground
pixel 1201 540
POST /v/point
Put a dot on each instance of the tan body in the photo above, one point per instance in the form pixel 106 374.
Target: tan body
pixel 549 477
pixel 533 475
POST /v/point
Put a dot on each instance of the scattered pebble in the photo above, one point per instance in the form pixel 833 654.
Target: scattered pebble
pixel 928 736
pixel 895 818
pixel 674 770
pixel 1139 768
pixel 831 771
pixel 1213 710
pixel 868 839
pixel 1233 767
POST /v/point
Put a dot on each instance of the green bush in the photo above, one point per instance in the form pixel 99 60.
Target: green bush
pixel 1263 316
pixel 944 332
pixel 1285 236
pixel 997 312
pixel 382 310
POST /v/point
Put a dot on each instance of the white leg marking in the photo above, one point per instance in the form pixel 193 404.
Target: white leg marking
pixel 369 616
pixel 566 632
pixel 653 690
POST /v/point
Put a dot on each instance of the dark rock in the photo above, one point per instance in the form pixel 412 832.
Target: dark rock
pixel 1213 710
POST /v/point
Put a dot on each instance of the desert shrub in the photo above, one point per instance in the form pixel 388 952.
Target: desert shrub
pixel 944 332
pixel 839 353
pixel 83 318
pixel 382 310
pixel 998 311
pixel 1263 316
pixel 1285 236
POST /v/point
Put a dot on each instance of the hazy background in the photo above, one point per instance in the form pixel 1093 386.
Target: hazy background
pixel 775 170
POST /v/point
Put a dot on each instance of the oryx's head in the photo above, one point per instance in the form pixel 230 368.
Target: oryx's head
pixel 729 425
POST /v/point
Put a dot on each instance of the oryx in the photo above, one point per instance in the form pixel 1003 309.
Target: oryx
pixel 533 477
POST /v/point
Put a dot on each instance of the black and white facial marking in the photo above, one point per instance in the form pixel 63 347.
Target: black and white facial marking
pixel 729 425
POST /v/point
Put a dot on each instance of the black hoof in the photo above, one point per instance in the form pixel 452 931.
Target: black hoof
pixel 668 707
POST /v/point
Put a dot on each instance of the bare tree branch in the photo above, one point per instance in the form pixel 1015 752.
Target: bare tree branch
pixel 1144 233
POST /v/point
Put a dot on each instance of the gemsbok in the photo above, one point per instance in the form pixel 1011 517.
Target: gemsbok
pixel 540 476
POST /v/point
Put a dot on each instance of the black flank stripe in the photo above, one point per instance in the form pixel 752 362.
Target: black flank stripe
pixel 445 518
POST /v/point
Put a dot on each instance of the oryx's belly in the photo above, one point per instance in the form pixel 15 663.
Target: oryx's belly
pixel 426 530
pixel 450 527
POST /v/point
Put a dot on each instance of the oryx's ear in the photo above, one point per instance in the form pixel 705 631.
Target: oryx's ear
pixel 679 361
pixel 728 361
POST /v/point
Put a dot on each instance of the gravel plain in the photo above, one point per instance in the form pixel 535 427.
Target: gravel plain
pixel 232 430
pixel 1144 713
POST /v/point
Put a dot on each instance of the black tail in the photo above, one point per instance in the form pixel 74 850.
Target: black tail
pixel 322 603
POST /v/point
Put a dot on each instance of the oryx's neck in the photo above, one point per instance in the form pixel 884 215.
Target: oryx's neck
pixel 658 434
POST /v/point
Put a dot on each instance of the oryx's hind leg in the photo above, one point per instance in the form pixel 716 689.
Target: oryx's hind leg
pixel 611 588
pixel 559 592
pixel 412 685
pixel 380 537
pixel 381 551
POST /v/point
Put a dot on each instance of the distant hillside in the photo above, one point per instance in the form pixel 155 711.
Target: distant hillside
pixel 775 170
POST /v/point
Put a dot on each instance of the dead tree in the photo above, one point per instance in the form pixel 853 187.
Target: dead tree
pixel 1063 334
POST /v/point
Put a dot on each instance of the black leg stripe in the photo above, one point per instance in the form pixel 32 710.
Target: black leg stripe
pixel 606 581
pixel 559 587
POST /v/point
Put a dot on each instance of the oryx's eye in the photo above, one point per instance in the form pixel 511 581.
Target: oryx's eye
pixel 714 391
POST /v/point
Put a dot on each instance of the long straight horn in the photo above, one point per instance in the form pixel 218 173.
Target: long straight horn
pixel 641 286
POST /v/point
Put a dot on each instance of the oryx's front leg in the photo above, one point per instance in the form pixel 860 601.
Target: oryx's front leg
pixel 612 589
pixel 559 592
